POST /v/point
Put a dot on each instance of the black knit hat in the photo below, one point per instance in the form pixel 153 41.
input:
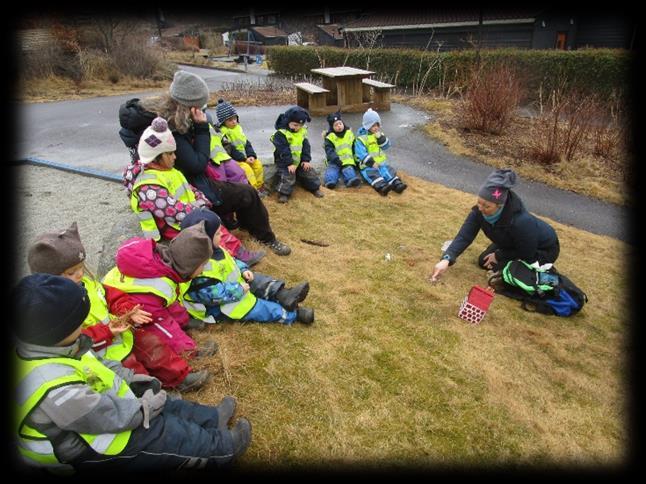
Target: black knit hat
pixel 224 111
pixel 49 308
pixel 297 114
pixel 211 220
pixel 333 118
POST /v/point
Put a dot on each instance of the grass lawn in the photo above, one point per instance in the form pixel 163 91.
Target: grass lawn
pixel 389 375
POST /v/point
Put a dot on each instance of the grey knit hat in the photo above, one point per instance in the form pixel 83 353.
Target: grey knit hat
pixel 190 248
pixel 189 89
pixel 55 252
pixel 497 185
pixel 224 111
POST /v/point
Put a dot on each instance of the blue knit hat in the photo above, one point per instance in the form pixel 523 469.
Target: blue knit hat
pixel 370 117
pixel 48 308
pixel 211 220
pixel 224 111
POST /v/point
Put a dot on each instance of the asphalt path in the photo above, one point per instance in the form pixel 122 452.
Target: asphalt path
pixel 85 134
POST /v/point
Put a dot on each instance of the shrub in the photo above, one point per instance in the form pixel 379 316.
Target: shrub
pixel 492 96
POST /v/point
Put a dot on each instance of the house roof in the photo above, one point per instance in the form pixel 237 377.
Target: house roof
pixel 332 30
pixel 269 31
pixel 438 19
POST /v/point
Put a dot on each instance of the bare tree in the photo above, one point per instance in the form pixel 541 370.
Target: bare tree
pixel 367 40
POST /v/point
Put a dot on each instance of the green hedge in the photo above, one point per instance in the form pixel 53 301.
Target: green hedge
pixel 592 70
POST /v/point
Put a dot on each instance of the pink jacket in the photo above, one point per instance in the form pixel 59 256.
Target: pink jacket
pixel 138 257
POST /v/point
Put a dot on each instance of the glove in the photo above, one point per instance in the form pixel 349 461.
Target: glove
pixel 140 383
pixel 152 405
pixel 381 139
pixel 369 162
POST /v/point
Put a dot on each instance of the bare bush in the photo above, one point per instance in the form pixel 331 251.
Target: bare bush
pixel 491 99
pixel 268 91
pixel 610 132
pixel 134 58
pixel 95 64
pixel 563 126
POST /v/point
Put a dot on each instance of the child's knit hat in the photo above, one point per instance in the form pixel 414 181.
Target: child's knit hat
pixel 224 111
pixel 370 117
pixel 55 252
pixel 190 248
pixel 497 185
pixel 157 139
pixel 333 118
pixel 48 308
pixel 189 89
pixel 211 220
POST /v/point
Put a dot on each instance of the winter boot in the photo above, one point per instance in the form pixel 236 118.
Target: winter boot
pixel 278 247
pixel 193 381
pixel 355 182
pixel 383 188
pixel 249 257
pixel 282 198
pixel 330 185
pixel 241 435
pixel 305 315
pixel 289 298
pixel 263 192
pixel 399 186
pixel 195 324
pixel 226 409
pixel 208 348
pixel 318 193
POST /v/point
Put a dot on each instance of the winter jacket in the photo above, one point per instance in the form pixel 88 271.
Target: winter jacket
pixel 330 150
pixel 212 292
pixel 85 410
pixel 141 258
pixel 517 233
pixel 282 153
pixel 361 151
pixel 133 120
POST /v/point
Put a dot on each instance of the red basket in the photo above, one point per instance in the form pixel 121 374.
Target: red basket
pixel 476 304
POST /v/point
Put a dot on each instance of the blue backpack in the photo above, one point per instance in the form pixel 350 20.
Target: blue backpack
pixel 547 292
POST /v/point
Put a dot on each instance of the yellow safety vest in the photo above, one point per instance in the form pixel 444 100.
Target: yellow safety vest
pixel 163 287
pixel 36 377
pixel 343 146
pixel 295 141
pixel 236 136
pixel 172 180
pixel 218 153
pixel 370 142
pixel 122 343
pixel 224 270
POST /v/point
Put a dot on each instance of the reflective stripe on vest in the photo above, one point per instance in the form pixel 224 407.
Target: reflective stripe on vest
pixel 343 146
pixel 295 141
pixel 218 153
pixel 163 287
pixel 236 136
pixel 122 343
pixel 172 180
pixel 38 377
pixel 196 309
pixel 370 142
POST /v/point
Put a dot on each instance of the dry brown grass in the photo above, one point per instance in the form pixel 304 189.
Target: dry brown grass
pixel 55 88
pixel 587 173
pixel 388 373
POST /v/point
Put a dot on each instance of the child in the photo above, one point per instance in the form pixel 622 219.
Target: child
pixel 148 274
pixel 339 153
pixel 161 196
pixel 292 154
pixel 78 412
pixel 369 153
pixel 227 289
pixel 240 148
pixel 222 166
pixel 62 253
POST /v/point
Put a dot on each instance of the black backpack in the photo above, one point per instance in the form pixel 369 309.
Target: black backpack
pixel 557 295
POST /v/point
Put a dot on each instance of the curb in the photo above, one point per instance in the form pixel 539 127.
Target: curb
pixel 91 172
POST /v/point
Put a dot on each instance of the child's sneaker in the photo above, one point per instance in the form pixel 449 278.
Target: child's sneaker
pixel 282 198
pixel 277 247
pixel 193 381
pixel 355 182
pixel 330 185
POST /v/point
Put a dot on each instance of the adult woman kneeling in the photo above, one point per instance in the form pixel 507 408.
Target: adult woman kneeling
pixel 514 232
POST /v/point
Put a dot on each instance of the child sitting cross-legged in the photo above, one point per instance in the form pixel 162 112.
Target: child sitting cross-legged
pixel 228 290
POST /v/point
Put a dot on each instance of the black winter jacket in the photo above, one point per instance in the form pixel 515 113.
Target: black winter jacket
pixel 330 150
pixel 518 234
pixel 282 153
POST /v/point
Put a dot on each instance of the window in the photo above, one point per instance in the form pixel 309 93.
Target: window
pixel 561 40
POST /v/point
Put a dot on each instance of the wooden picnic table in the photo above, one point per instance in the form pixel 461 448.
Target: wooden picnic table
pixel 345 86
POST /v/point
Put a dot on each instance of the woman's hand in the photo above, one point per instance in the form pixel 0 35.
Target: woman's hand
pixel 490 260
pixel 440 268
pixel 198 116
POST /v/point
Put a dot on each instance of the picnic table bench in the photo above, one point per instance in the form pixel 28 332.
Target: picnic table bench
pixel 311 97
pixel 378 93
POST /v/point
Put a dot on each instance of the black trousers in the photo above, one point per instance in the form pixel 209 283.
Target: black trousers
pixel 543 256
pixel 250 211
